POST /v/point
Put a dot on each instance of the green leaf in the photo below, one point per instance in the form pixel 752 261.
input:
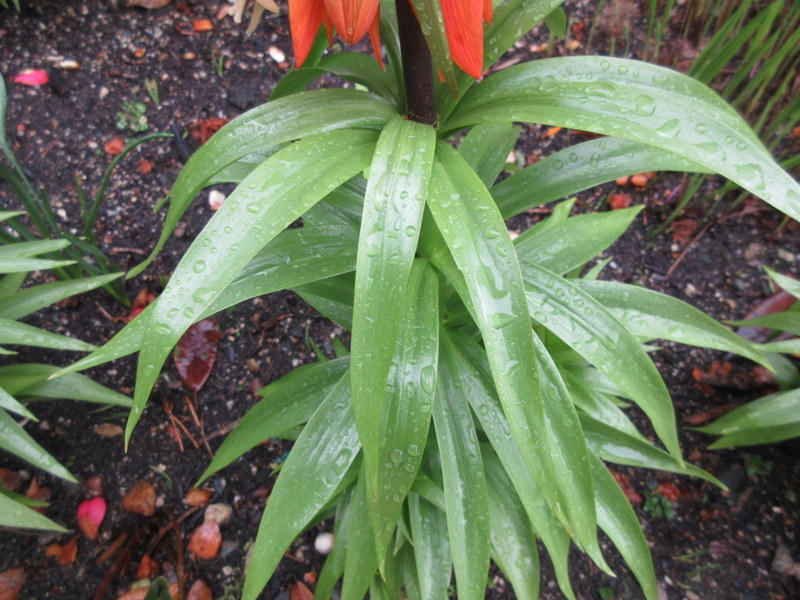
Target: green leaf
pixel 464 358
pixel 618 521
pixel 286 403
pixel 294 258
pixel 482 249
pixel 281 189
pixel 12 332
pixel 31 380
pixel 513 541
pixel 465 492
pixel 785 321
pixel 393 208
pixel 773 418
pixel 361 561
pixel 30 249
pixel 569 245
pixel 25 265
pixel 409 401
pixel 589 329
pixel 557 22
pixel 651 315
pixel 17 441
pixel 636 101
pixel 11 404
pixel 295 117
pixel 30 300
pixel 15 514
pixel 581 167
pixel 787 284
pixel 431 548
pixel 623 448
pixel 333 568
pixel 310 477
pixel 569 455
pixel 333 297
pixel 486 148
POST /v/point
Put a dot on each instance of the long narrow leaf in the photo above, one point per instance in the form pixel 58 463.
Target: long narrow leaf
pixel 589 329
pixel 318 462
pixel 409 402
pixel 635 101
pixel 393 207
pixel 17 441
pixel 15 514
pixel 431 548
pixel 30 300
pixel 581 167
pixel 267 201
pixel 481 247
pixel 13 332
pixel 286 403
pixel 283 120
pixel 465 492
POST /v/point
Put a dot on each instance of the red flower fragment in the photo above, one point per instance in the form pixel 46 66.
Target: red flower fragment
pixel 32 77
pixel 90 515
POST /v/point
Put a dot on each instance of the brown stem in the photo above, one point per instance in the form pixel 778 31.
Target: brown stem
pixel 417 66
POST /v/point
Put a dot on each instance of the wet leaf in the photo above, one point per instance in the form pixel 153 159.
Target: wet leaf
pixel 684 230
pixel 11 583
pixel 141 499
pixel 199 591
pixel 10 479
pixel 300 592
pixel 90 515
pixel 205 540
pixel 196 353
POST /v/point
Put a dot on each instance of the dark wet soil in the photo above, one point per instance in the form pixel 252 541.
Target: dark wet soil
pixel 717 545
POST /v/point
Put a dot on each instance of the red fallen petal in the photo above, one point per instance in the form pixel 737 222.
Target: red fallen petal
pixel 618 201
pixel 463 23
pixel 90 515
pixel 11 583
pixel 32 77
pixel 114 146
pixel 487 11
pixel 205 540
pixel 670 491
pixel 196 353
pixel 305 19
pixel 352 18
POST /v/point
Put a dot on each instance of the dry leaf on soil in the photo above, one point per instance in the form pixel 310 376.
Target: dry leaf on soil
pixel 205 540
pixel 11 583
pixel 141 499
pixel 196 353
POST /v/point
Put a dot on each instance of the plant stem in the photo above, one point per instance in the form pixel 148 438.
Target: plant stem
pixel 417 67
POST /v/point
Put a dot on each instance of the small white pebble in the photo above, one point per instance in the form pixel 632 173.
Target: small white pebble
pixel 276 54
pixel 215 199
pixel 220 513
pixel 324 543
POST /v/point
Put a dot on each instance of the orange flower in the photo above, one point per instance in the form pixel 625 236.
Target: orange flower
pixel 463 23
pixel 352 19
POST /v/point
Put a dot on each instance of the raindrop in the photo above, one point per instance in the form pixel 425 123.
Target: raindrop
pixel 189 312
pixel 199 266
pixel 605 65
pixel 413 450
pixel 558 164
pixel 396 456
pixel 670 129
pixel 427 379
pixel 645 105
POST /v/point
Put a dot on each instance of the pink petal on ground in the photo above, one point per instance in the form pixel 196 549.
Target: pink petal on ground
pixel 90 515
pixel 32 77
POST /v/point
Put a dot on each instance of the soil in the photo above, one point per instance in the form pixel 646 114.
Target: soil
pixel 717 545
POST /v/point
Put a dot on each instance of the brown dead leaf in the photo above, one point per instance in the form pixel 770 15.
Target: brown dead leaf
pixel 300 592
pixel 197 497
pixel 141 499
pixel 149 4
pixel 37 492
pixel 703 417
pixel 108 430
pixel 94 486
pixel 199 591
pixel 683 230
pixel 205 540
pixel 66 553
pixel 11 583
pixel 10 479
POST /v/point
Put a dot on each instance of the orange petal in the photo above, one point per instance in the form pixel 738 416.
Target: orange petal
pixel 464 27
pixel 352 18
pixel 375 39
pixel 305 18
pixel 487 11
